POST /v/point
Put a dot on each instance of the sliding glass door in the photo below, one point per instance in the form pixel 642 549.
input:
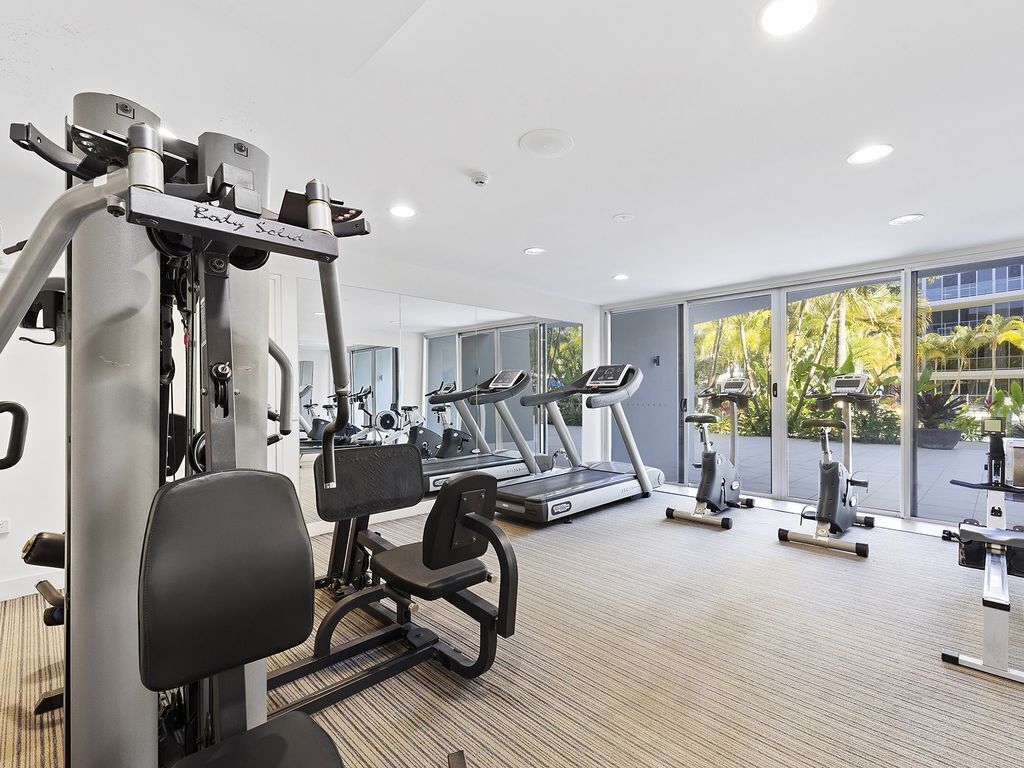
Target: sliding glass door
pixel 517 350
pixel 852 327
pixel 477 365
pixel 969 365
pixel 732 338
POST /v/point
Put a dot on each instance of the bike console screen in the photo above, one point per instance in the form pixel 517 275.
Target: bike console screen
pixel 607 376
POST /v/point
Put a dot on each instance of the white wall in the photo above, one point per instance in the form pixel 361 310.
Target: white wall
pixel 33 490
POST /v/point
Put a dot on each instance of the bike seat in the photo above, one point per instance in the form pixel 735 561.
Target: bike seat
pixel 439 408
pixel 824 424
pixel 409 407
pixel 701 418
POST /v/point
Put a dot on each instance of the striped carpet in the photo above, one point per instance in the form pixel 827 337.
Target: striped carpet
pixel 647 642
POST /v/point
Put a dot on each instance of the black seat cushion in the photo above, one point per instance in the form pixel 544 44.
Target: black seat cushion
pixel 289 741
pixel 701 418
pixel 45 549
pixel 403 569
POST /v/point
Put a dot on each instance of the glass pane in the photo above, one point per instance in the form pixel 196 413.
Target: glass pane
pixel 385 390
pixel 518 350
pixel 851 328
pixel 478 350
pixel 441 363
pixel 564 364
pixel 966 371
pixel 732 339
pixel 362 376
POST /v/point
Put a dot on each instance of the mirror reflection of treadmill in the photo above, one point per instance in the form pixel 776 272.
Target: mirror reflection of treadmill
pixel 586 485
pixel 504 465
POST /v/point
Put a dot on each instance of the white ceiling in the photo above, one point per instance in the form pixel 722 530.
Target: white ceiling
pixel 726 144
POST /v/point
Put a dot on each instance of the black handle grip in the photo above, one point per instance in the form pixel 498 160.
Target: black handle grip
pixel 859 483
pixel 19 431
pixel 26 136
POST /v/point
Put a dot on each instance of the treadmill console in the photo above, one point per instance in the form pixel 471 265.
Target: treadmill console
pixel 505 379
pixel 607 376
pixel 849 384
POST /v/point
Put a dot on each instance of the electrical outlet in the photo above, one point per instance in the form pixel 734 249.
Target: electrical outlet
pixel 5 526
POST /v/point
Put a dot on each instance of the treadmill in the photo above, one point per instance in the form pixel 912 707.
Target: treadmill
pixel 502 386
pixel 585 486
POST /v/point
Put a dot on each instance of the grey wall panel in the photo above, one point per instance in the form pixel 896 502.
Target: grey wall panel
pixel 640 338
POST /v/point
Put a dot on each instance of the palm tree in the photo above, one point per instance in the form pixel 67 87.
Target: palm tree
pixel 960 344
pixel 996 330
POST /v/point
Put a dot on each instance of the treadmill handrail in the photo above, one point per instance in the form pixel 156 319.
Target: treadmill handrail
pixel 626 391
pixel 451 397
pixel 485 396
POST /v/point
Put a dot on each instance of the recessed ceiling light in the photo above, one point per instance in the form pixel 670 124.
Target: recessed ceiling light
pixel 870 154
pixel 784 17
pixel 909 218
pixel 403 211
pixel 546 143
pixel 320 314
pixel 620 277
pixel 623 217
pixel 535 251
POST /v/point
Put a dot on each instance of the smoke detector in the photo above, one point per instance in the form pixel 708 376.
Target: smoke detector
pixel 479 178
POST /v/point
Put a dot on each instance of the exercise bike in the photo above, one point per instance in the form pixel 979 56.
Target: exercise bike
pixel 719 487
pixel 999 553
pixel 454 442
pixel 836 510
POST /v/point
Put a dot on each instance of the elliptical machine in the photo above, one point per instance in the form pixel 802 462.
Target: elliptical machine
pixel 836 511
pixel 719 487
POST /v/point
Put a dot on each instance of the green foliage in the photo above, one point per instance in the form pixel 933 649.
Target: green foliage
pixel 565 363
pixel 970 427
pixel 868 318
pixel 937 408
pixel 1009 405
pixel 877 425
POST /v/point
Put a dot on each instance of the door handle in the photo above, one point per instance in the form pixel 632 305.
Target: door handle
pixel 775 389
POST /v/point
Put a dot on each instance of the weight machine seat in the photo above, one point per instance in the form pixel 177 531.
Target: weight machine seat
pixel 403 568
pixel 45 549
pixel 824 424
pixel 243 592
pixel 288 741
pixel 701 418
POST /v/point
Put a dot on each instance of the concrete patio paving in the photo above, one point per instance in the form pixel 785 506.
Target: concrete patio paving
pixel 880 464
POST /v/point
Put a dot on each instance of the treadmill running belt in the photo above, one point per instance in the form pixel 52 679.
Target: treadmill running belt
pixel 557 485
pixel 466 463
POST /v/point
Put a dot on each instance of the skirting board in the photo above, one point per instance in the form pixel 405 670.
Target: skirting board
pixel 26 585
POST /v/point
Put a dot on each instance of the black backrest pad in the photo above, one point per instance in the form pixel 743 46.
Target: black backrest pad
pixel 227 575
pixel 446 540
pixel 374 478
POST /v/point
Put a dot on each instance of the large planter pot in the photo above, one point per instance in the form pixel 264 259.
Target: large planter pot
pixel 938 439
